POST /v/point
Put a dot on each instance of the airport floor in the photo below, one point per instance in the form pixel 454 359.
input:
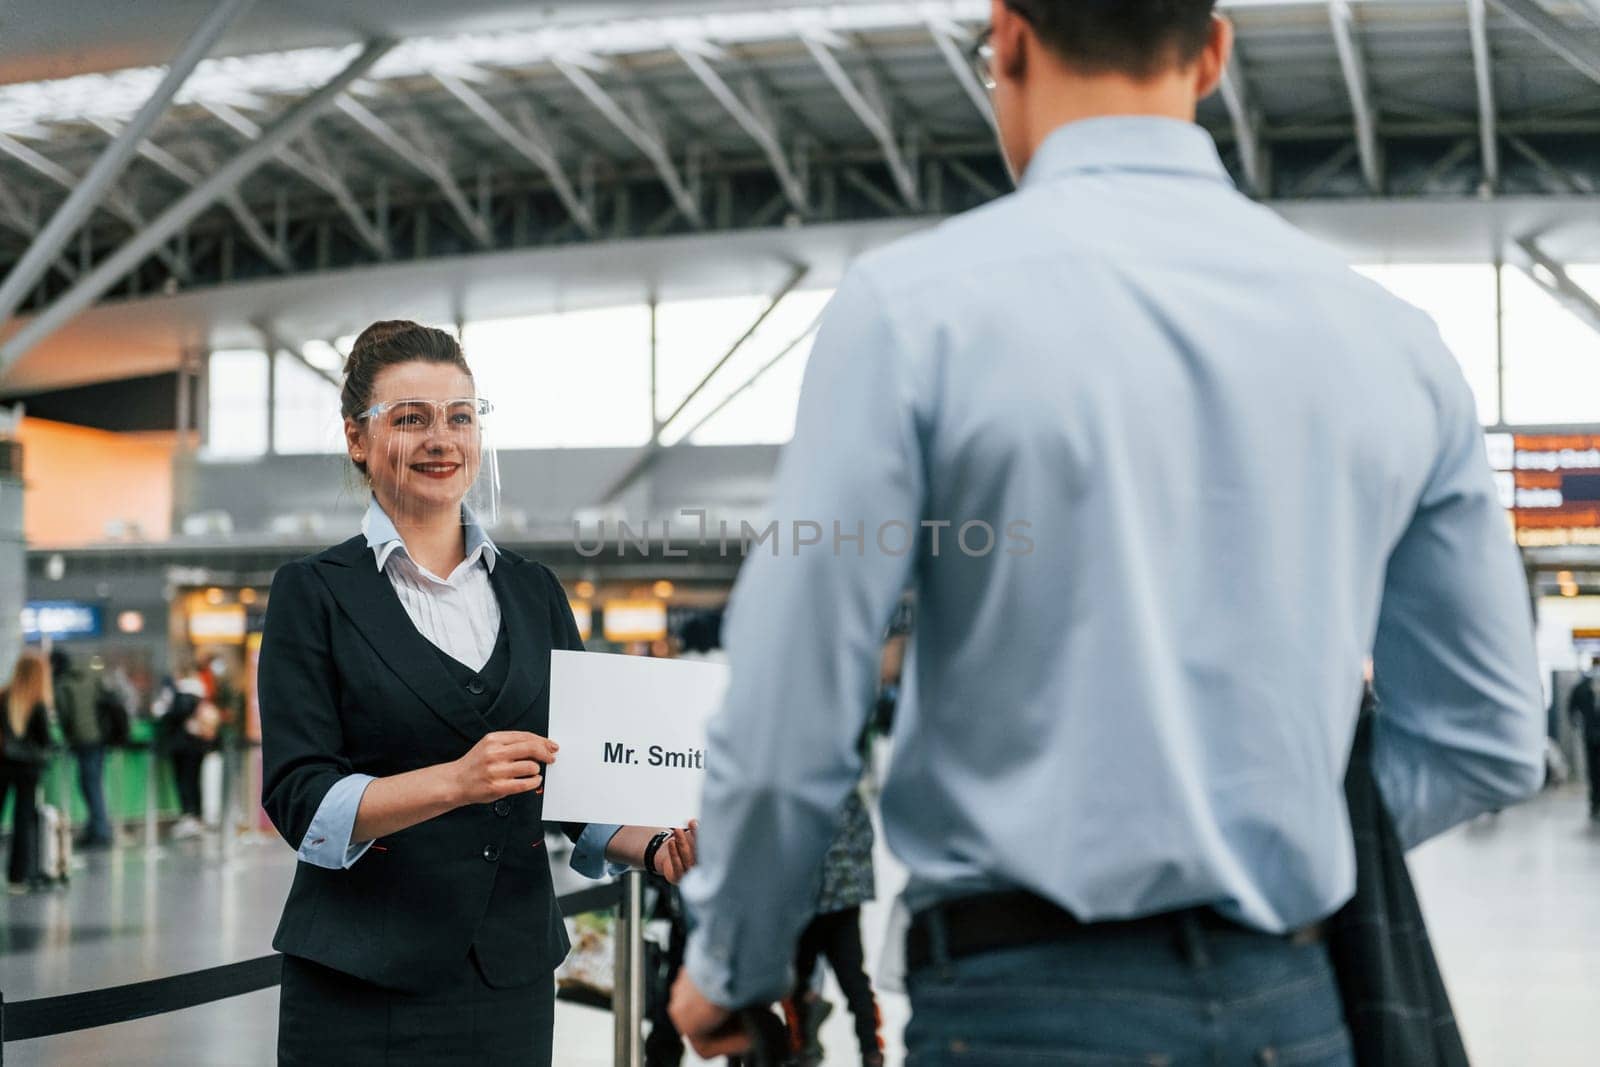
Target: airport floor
pixel 1513 902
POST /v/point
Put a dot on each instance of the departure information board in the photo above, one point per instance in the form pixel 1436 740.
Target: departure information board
pixel 1551 484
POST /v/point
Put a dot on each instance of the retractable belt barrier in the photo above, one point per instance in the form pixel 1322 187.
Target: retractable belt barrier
pixel 49 1016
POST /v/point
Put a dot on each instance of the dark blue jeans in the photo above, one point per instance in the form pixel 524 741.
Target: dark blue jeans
pixel 91 782
pixel 1183 996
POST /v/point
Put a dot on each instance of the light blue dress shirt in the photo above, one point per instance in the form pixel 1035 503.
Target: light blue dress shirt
pixel 1219 469
pixel 327 842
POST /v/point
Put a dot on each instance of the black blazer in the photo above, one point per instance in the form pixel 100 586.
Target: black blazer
pixel 347 684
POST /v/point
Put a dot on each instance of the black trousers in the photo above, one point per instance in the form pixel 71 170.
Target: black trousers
pixel 1592 751
pixel 23 780
pixel 186 775
pixel 328 1017
pixel 837 936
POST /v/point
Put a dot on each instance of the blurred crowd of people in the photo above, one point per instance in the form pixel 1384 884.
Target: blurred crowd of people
pixel 57 706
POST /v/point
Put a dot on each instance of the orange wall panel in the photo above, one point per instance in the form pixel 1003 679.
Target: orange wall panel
pixel 77 480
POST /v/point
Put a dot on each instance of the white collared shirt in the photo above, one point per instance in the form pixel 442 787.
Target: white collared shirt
pixel 459 614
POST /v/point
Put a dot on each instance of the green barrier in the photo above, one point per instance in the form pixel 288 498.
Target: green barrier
pixel 126 774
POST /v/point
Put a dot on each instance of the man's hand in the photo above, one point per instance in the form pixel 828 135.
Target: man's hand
pixel 712 1031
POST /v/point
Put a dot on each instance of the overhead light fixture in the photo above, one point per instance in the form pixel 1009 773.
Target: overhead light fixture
pixel 130 622
pixel 662 589
pixel 215 596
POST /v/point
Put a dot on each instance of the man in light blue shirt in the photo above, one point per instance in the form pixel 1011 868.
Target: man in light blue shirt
pixel 1177 472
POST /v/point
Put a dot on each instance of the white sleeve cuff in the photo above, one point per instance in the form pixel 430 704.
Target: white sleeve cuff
pixel 327 842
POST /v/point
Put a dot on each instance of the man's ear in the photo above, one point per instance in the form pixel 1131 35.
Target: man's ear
pixel 1214 57
pixel 1010 37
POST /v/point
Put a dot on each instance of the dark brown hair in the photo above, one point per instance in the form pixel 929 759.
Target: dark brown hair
pixel 1139 38
pixel 385 344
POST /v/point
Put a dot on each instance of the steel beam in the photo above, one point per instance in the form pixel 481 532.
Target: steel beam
pixel 1354 66
pixel 426 162
pixel 274 343
pixel 866 100
pixel 1423 183
pixel 1246 121
pixel 1488 117
pixel 1554 34
pixel 528 143
pixel 984 187
pixel 318 172
pixel 178 215
pixel 640 133
pixel 750 382
pixel 80 203
pixel 756 121
pixel 235 204
pixel 947 36
pixel 1550 275
pixel 1576 182
pixel 18 218
pixel 113 200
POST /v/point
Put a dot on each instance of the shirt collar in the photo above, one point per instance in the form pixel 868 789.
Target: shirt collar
pixel 1127 143
pixel 385 540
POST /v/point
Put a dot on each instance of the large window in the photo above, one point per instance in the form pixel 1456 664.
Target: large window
pixel 237 395
pixel 693 335
pixel 577 379
pixel 307 419
pixel 1552 356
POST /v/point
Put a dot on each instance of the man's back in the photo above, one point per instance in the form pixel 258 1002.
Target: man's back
pixel 1208 453
pixel 1217 434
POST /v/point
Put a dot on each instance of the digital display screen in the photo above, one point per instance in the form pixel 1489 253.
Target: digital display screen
pixel 1551 484
pixel 60 620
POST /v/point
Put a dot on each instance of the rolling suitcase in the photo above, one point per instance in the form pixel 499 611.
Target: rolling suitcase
pixel 55 844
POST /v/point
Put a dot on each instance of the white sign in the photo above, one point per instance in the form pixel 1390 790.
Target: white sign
pixel 632 732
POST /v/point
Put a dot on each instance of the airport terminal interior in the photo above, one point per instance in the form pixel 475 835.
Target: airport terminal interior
pixel 633 216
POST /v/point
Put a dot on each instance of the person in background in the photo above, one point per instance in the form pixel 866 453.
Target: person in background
pixel 187 724
pixel 1118 766
pixel 1584 708
pixel 78 696
pixel 24 751
pixel 835 933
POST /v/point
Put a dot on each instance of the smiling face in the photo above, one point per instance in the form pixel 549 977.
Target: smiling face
pixel 420 458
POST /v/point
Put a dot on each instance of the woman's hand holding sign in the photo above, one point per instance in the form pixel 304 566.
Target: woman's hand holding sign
pixel 502 764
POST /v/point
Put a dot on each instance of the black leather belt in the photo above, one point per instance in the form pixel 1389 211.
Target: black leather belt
pixel 968 926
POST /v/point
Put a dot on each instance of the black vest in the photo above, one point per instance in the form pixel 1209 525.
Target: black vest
pixel 349 685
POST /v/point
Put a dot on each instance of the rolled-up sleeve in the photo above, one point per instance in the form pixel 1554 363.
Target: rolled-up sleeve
pixel 589 852
pixel 327 842
pixel 804 635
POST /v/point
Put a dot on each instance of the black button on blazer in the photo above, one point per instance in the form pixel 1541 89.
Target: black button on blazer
pixel 347 684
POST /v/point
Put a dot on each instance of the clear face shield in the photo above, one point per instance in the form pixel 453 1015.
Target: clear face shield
pixel 432 457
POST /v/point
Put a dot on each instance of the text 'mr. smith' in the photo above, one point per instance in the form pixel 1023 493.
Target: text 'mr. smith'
pixel 689 759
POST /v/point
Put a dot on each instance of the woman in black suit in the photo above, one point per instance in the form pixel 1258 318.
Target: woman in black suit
pixel 403 720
